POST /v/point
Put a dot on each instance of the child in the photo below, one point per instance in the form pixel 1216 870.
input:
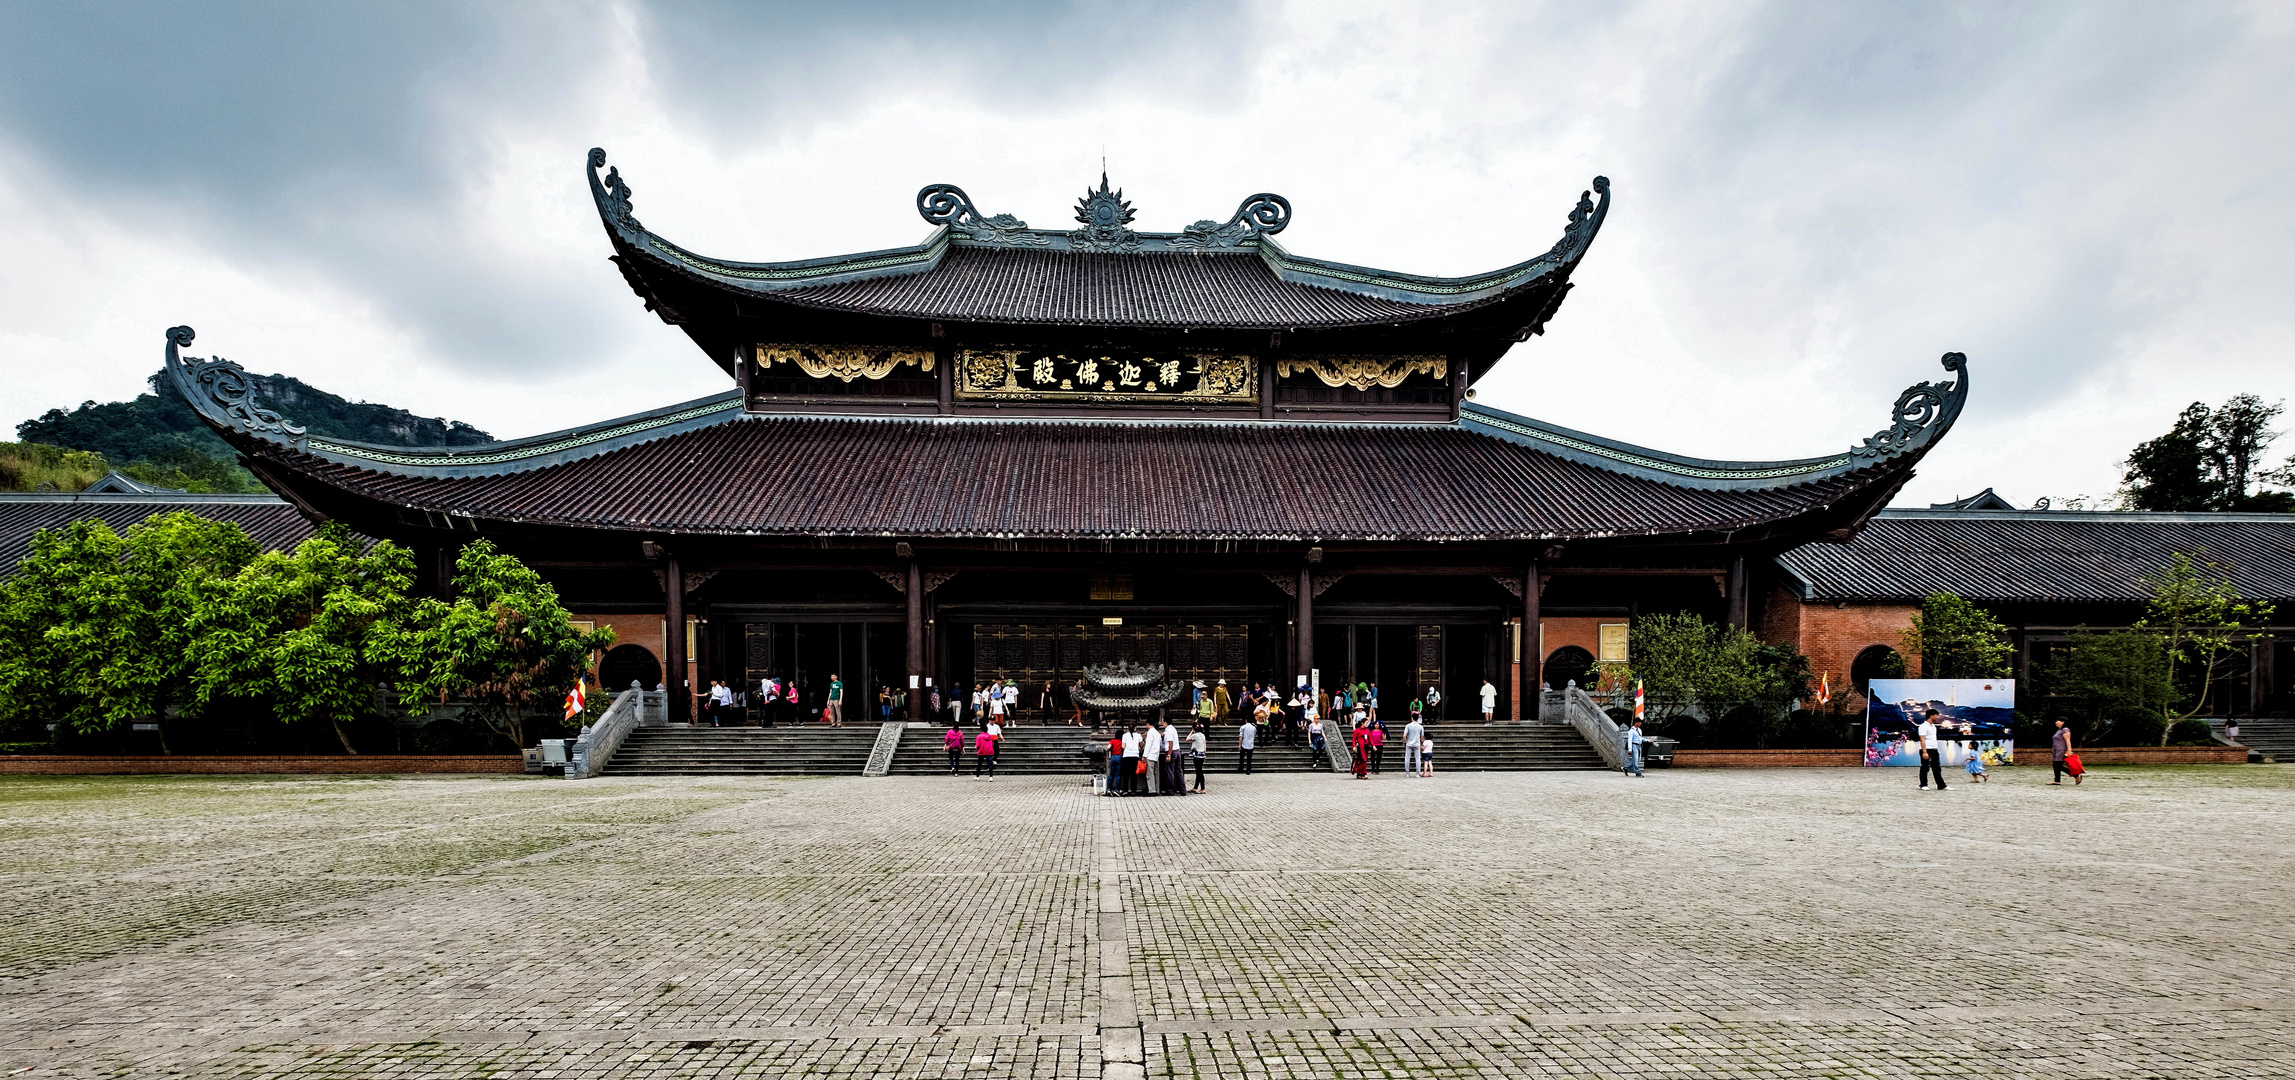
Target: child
pixel 1426 755
pixel 1976 773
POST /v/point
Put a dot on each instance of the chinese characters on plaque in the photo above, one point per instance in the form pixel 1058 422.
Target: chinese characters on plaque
pixel 1104 375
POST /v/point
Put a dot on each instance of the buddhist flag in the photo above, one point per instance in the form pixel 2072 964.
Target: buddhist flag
pixel 1824 689
pixel 574 701
pixel 1637 699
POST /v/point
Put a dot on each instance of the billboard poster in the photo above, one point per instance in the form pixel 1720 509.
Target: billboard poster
pixel 1974 716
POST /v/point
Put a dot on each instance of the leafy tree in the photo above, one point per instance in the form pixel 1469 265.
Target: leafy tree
pixel 98 626
pixel 307 630
pixel 2209 460
pixel 30 466
pixel 1683 660
pixel 2100 671
pixel 503 643
pixel 2201 620
pixel 1957 640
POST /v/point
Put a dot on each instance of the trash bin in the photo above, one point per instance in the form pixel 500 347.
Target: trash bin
pixel 553 751
pixel 1657 751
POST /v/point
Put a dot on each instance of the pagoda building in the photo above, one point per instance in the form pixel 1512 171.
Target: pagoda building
pixel 1013 452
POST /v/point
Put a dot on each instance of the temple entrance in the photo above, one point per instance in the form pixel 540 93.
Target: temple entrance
pixel 625 664
pixel 1035 655
pixel 867 656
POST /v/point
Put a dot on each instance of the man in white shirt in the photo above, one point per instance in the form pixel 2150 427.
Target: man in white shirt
pixel 1412 734
pixel 1489 701
pixel 1246 741
pixel 1632 765
pixel 1930 760
pixel 1151 751
pixel 996 704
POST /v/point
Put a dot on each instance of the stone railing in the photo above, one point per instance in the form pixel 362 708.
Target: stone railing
pixel 1599 730
pixel 653 708
pixel 881 753
pixel 588 755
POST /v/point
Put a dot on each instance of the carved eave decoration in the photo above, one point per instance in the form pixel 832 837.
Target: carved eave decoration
pixel 843 362
pixel 1104 217
pixel 1364 372
pixel 1923 413
pixel 224 392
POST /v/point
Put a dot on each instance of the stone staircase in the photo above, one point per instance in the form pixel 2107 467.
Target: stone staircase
pixel 2274 740
pixel 1464 748
pixel 738 751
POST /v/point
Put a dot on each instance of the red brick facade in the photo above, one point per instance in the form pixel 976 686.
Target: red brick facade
pixel 1831 636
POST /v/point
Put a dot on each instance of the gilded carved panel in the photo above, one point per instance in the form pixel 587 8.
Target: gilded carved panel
pixel 1364 372
pixel 1117 376
pixel 842 362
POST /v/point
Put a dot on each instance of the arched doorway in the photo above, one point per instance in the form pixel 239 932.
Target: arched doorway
pixel 1875 662
pixel 1566 665
pixel 627 663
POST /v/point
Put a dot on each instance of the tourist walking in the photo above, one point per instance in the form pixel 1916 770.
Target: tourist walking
pixel 1413 741
pixel 1931 760
pixel 1434 704
pixel 1489 701
pixel 720 700
pixel 1246 741
pixel 1426 756
pixel 1220 701
pixel 884 704
pixel 984 753
pixel 2059 755
pixel 954 741
pixel 1317 749
pixel 1630 758
pixel 1976 773
pixel 1375 737
pixel 1357 737
pixel 1198 744
pixel 1151 755
pixel 836 713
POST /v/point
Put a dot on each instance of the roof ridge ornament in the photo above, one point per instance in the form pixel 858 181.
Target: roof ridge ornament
pixel 1923 413
pixel 222 390
pixel 947 204
pixel 1264 214
pixel 1104 214
pixel 613 194
pixel 1585 221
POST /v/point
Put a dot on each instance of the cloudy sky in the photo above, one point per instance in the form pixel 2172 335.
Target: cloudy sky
pixel 1812 201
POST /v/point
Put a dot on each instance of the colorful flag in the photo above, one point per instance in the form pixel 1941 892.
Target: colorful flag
pixel 1824 689
pixel 1637 699
pixel 574 701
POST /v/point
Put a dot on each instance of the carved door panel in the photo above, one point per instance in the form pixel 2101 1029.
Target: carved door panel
pixel 756 656
pixel 1429 659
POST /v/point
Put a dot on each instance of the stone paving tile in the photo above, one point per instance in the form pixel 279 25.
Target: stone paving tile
pixel 1781 923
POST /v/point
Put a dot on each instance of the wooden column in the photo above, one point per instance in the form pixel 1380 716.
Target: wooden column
pixel 1306 621
pixel 1737 604
pixel 677 695
pixel 915 642
pixel 2262 679
pixel 1533 657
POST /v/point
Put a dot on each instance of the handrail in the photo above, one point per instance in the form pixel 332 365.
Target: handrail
pixel 1599 730
pixel 589 754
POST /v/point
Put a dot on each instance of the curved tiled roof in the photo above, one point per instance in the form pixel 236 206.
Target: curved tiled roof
pixel 2041 555
pixel 806 476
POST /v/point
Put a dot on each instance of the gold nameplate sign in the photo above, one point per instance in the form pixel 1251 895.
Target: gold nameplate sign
pixel 1363 372
pixel 1118 376
pixel 842 362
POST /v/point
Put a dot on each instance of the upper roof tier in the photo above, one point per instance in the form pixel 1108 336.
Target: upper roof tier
pixel 982 277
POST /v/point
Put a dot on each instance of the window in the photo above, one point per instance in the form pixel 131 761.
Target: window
pixel 1614 643
pixel 1111 586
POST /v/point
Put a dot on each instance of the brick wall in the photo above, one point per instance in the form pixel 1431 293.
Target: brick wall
pixel 74 764
pixel 2140 755
pixel 1831 636
pixel 1765 759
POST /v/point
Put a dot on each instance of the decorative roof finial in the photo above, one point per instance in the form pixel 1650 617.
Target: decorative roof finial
pixel 1103 214
pixel 947 204
pixel 221 390
pixel 1923 413
pixel 612 194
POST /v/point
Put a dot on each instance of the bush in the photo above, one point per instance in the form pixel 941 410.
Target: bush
pixel 2134 725
pixel 2191 732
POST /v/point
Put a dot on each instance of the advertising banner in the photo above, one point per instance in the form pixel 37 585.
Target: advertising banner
pixel 1974 716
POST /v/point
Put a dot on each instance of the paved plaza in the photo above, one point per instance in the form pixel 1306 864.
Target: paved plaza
pixel 1801 923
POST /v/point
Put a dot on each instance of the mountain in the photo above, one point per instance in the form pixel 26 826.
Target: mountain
pixel 158 439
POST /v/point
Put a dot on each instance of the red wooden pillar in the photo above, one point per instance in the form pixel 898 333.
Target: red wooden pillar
pixel 915 642
pixel 1306 621
pixel 1528 699
pixel 677 693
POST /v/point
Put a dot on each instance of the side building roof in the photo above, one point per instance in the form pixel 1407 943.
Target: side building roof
pixel 706 467
pixel 2027 556
pixel 271 521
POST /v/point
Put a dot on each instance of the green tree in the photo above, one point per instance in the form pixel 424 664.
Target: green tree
pixel 307 630
pixel 2099 671
pixel 2202 620
pixel 98 627
pixel 1957 640
pixel 503 644
pixel 2210 460
pixel 1685 661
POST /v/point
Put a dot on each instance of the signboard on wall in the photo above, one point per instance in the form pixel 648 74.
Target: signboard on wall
pixel 1974 716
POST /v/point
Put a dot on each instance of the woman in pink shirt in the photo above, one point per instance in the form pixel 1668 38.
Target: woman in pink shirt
pixel 984 753
pixel 954 740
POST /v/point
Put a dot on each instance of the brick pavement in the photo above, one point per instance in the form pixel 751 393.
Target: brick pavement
pixel 1787 923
